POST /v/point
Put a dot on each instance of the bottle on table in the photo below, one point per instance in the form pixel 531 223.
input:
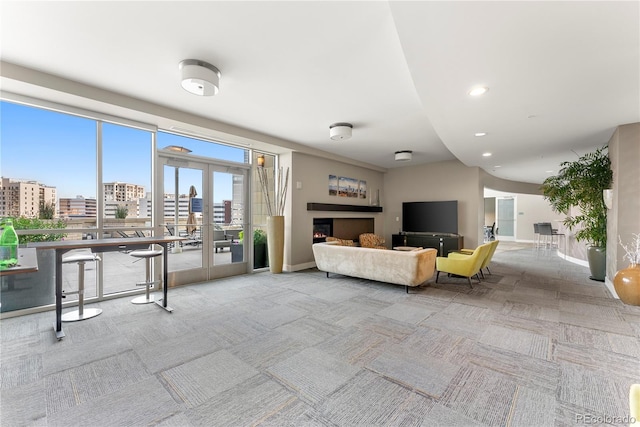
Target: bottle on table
pixel 8 245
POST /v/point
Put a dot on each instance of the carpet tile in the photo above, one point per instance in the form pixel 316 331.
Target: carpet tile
pixel 536 343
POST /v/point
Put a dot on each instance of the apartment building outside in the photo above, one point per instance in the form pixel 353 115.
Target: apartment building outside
pixel 122 191
pixel 78 207
pixel 21 197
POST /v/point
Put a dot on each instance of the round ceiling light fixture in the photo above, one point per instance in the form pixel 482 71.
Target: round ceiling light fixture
pixel 340 131
pixel 404 155
pixel 199 77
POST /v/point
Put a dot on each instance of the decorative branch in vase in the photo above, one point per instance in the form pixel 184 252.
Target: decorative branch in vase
pixel 275 211
pixel 632 251
pixel 275 206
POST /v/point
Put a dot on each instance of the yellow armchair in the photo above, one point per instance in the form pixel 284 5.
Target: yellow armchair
pixel 487 259
pixel 463 265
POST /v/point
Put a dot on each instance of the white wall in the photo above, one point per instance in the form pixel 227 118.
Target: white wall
pixel 529 209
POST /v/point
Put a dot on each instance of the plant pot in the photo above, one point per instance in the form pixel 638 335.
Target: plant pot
pixel 275 242
pixel 259 255
pixel 627 284
pixel 597 257
pixel 237 253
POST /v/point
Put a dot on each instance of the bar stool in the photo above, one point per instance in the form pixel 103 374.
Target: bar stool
pixel 147 255
pixel 80 313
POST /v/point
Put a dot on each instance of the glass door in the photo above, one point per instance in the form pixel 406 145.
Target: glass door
pixel 505 227
pixel 203 202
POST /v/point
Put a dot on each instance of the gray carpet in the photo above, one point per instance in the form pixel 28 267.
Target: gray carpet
pixel 535 344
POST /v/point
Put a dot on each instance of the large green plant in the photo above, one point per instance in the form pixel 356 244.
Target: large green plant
pixel 580 184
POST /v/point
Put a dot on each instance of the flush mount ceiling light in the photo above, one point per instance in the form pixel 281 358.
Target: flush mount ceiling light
pixel 480 134
pixel 486 154
pixel 199 77
pixel 339 131
pixel 403 155
pixel 177 149
pixel 477 91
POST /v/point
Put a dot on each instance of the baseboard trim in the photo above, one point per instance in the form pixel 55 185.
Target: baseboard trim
pixel 299 267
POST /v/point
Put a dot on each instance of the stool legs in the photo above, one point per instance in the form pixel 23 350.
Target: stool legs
pixel 80 313
pixel 147 297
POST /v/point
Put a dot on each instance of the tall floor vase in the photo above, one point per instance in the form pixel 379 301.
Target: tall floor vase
pixel 275 242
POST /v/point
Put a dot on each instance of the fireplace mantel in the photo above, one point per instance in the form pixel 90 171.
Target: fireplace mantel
pixel 342 208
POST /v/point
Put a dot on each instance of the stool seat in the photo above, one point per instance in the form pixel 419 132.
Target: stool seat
pixel 81 313
pixel 80 257
pixel 147 255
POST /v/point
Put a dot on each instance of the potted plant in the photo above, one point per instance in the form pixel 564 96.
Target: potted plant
pixel 259 249
pixel 580 184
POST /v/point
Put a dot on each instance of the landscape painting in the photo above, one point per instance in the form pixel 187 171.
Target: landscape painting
pixel 347 187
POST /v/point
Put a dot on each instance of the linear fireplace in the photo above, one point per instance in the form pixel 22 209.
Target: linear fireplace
pixel 342 228
pixel 322 228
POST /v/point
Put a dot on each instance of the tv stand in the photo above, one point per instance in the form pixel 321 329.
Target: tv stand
pixel 443 242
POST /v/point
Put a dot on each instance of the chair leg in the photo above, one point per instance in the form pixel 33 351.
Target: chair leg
pixel 437 275
pixel 469 280
pixel 488 271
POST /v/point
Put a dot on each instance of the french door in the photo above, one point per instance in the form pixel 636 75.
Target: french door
pixel 203 201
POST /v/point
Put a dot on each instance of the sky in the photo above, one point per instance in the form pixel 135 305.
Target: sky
pixel 59 150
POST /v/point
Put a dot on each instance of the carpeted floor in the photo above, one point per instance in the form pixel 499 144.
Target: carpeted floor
pixel 535 344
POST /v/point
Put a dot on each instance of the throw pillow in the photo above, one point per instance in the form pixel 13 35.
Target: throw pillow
pixel 341 242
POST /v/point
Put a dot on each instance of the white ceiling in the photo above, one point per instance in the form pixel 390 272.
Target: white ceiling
pixel 561 75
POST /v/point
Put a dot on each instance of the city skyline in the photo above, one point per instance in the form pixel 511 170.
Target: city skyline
pixel 59 150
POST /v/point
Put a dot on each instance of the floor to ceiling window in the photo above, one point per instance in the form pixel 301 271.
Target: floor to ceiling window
pixel 73 174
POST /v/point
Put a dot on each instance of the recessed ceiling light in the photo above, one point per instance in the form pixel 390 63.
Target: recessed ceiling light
pixel 497 166
pixel 486 154
pixel 477 91
pixel 480 134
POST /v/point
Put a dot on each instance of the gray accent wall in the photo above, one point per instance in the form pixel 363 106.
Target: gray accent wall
pixel 313 175
pixel 440 181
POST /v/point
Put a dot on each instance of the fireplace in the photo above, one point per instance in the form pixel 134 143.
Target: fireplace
pixel 322 228
pixel 342 228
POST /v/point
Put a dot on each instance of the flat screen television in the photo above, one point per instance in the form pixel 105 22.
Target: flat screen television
pixel 430 217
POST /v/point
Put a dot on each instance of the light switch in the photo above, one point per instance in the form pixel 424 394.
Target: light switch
pixel 299 185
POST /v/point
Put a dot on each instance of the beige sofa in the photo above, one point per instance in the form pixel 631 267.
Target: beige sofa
pixel 408 268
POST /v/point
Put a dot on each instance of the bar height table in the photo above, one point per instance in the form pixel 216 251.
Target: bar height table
pixel 105 245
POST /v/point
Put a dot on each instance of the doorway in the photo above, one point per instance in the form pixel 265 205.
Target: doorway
pixel 203 201
pixel 505 221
